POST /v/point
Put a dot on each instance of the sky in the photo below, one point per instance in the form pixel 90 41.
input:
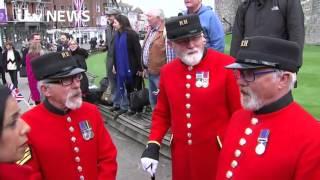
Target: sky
pixel 170 7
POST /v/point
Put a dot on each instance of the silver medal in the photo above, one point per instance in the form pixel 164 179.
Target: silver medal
pixel 198 84
pixel 260 149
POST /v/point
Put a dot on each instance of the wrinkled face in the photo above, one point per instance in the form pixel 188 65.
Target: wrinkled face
pixel 64 93
pixel 190 50
pixel 260 91
pixel 13 141
pixel 152 19
pixel 192 3
pixel 116 25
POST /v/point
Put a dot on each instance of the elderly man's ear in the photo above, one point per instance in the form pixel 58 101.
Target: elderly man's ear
pixel 285 80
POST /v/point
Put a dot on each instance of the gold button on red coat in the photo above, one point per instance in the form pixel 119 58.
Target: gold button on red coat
pixel 188 125
pixel 254 121
pixel 73 139
pixel 76 149
pixel 69 119
pixel 229 174
pixel 77 159
pixel 79 168
pixel 237 153
pixel 71 129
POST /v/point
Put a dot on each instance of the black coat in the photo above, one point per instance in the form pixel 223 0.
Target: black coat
pixel 82 52
pixel 262 18
pixel 17 59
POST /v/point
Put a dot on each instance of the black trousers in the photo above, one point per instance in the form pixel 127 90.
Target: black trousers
pixel 14 77
pixel 3 75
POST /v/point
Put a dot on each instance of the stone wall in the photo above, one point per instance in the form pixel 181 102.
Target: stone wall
pixel 226 9
pixel 313 24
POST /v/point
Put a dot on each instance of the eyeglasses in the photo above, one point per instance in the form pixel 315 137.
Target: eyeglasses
pixel 66 81
pixel 250 75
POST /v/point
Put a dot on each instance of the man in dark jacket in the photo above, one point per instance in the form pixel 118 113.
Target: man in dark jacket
pixel 109 93
pixel 64 42
pixel 275 18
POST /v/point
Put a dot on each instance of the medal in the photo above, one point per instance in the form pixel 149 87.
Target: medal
pixel 205 82
pixel 262 141
pixel 86 130
pixel 199 79
pixel 198 84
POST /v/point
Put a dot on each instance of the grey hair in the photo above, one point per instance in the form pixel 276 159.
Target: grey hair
pixel 292 80
pixel 157 12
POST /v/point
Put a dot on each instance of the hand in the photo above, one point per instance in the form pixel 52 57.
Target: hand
pixel 150 158
pixel 139 73
pixel 114 70
pixel 149 165
pixel 145 73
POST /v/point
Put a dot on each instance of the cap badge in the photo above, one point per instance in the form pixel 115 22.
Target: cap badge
pixel 86 130
pixel 244 43
pixel 65 54
pixel 183 22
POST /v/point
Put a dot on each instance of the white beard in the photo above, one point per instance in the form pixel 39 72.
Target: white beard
pixel 250 100
pixel 74 100
pixel 191 59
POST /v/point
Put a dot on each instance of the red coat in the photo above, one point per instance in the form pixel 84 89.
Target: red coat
pixel 291 153
pixel 59 150
pixel 195 115
pixel 15 172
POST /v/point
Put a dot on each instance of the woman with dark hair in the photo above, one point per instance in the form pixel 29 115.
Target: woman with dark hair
pixel 13 139
pixel 12 62
pixel 127 66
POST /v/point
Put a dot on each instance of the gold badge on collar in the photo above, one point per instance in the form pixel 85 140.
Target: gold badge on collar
pixel 26 157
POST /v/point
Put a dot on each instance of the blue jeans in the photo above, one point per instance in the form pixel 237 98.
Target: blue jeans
pixel 153 89
pixel 120 100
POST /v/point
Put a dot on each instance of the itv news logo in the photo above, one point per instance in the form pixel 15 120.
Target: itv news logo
pixel 70 16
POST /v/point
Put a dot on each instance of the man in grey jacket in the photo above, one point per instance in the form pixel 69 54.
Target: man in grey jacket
pixel 107 96
pixel 274 18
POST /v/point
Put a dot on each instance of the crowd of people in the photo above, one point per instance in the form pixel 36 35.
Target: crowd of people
pixel 230 116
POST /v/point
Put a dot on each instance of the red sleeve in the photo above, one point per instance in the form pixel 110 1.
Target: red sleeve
pixel 161 115
pixel 309 164
pixel 107 153
pixel 33 162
